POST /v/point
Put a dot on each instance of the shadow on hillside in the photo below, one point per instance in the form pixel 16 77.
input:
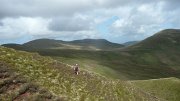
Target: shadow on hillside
pixel 133 65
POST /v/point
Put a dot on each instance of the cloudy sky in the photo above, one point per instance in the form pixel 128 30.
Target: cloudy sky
pixel 115 20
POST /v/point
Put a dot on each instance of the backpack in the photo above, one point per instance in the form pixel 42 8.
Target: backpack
pixel 76 68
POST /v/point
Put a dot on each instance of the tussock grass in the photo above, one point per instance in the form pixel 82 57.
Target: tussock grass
pixel 60 80
pixel 166 88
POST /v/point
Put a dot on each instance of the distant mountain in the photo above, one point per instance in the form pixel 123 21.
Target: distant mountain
pixel 85 44
pixel 129 43
pixel 164 40
pixel 43 44
pixel 15 46
pixel 101 44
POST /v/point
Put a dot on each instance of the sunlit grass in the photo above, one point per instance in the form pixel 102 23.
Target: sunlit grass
pixel 166 88
pixel 60 80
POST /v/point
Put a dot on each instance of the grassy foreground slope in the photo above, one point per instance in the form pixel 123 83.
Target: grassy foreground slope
pixel 167 88
pixel 60 80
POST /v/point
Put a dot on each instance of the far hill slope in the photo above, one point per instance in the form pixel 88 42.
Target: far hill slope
pixel 130 43
pixel 14 46
pixel 59 79
pixel 43 44
pixel 168 39
pixel 98 43
pixel 85 44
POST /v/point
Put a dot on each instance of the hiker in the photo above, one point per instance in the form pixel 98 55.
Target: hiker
pixel 76 69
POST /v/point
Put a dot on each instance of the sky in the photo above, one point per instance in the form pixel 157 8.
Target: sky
pixel 115 20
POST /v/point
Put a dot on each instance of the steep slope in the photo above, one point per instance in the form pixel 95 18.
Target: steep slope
pixel 164 40
pixel 162 48
pixel 60 80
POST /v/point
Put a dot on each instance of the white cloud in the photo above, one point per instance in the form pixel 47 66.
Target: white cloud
pixel 18 27
pixel 143 21
pixel 75 19
pixel 33 28
pixel 74 23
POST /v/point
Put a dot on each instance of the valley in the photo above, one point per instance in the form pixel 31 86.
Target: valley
pixel 124 73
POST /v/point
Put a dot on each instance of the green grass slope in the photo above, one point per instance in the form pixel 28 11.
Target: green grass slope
pixel 167 88
pixel 122 65
pixel 167 39
pixel 152 58
pixel 60 80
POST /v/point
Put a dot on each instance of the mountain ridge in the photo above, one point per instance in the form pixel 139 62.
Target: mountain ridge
pixel 161 40
pixel 85 44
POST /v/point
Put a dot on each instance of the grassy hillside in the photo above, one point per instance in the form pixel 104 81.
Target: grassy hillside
pixel 60 80
pixel 154 57
pixel 167 88
pixel 164 40
pixel 122 65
